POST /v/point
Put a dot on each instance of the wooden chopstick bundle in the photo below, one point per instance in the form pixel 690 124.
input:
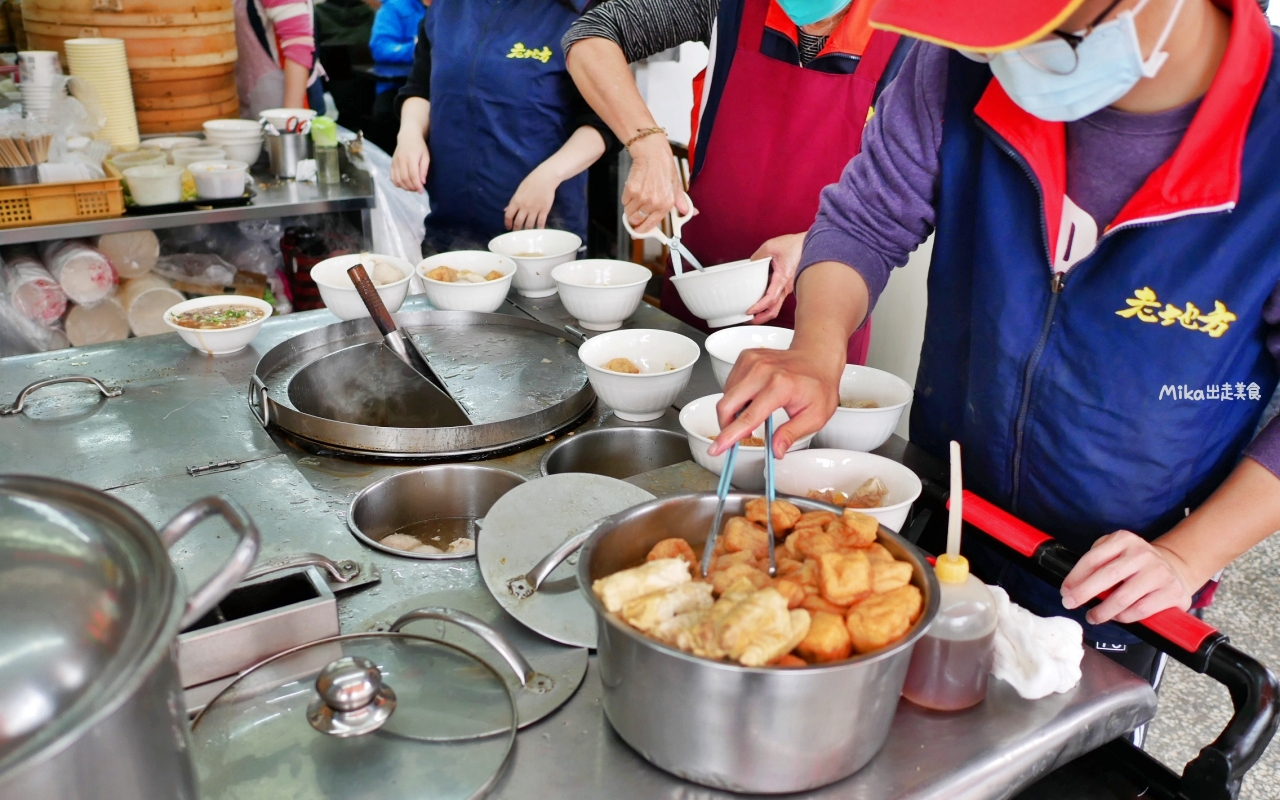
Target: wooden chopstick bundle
pixel 24 151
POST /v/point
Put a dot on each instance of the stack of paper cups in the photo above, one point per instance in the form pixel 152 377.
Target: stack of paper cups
pixel 102 63
pixel 36 72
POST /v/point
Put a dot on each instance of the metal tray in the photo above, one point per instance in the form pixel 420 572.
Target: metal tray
pixel 518 379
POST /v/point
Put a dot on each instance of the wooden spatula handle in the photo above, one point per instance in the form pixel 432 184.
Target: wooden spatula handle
pixel 369 294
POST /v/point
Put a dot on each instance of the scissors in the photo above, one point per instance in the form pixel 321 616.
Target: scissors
pixel 292 125
pixel 673 241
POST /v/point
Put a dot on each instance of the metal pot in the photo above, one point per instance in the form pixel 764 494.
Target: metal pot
pixel 731 727
pixel 90 606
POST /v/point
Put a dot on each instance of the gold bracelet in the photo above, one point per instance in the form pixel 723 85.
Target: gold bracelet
pixel 643 133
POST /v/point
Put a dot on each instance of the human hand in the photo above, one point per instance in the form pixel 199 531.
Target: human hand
pixel 1144 578
pixel 785 252
pixel 532 201
pixel 763 381
pixel 653 186
pixel 410 163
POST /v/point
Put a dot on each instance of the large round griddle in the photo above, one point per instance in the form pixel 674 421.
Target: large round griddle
pixel 338 387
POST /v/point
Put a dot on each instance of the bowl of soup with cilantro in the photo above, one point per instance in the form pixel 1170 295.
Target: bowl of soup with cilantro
pixel 218 325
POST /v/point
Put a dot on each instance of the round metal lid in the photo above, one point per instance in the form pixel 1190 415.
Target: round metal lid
pixel 357 715
pixel 86 605
pixel 529 522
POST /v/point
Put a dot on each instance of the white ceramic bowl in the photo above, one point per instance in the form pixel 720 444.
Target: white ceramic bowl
pixel 139 158
pixel 866 428
pixel 600 292
pixel 232 127
pixel 643 397
pixel 722 294
pixel 168 143
pixel 725 346
pixel 340 295
pixel 461 296
pixel 846 470
pixel 219 343
pixel 701 426
pixel 279 117
pixel 218 180
pixel 239 149
pixel 154 184
pixel 189 155
pixel 533 272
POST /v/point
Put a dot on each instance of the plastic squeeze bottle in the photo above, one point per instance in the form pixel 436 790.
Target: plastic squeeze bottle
pixel 324 135
pixel 951 662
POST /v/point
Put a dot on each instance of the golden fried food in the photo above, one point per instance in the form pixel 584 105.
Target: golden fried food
pixel 815 519
pixel 721 581
pixel 752 441
pixel 883 618
pixel 816 603
pixel 859 404
pixel 789 661
pixel 616 589
pixel 648 611
pixel 878 552
pixel 726 560
pixel 811 543
pixel 808 576
pixel 741 535
pixel 791 590
pixel 871 494
pixel 760 628
pixel 786 565
pixel 494 275
pixel 443 274
pixel 769 647
pixel 623 365
pixel 859 530
pixel 828 639
pixel 845 577
pixel 673 548
pixel 889 575
pixel 785 515
pixel 830 496
pixel 670 630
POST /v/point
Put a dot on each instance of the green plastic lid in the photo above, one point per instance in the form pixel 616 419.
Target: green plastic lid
pixel 324 132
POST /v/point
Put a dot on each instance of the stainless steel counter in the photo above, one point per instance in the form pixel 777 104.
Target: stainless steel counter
pixel 182 409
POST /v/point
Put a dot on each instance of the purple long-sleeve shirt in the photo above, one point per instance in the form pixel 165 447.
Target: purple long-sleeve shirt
pixel 883 206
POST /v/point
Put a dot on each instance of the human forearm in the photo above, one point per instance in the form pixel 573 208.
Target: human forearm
pixel 831 302
pixel 415 117
pixel 600 71
pixel 644 27
pixel 295 84
pixel 582 149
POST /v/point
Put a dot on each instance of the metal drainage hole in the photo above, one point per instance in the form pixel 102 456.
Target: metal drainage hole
pixel 541 684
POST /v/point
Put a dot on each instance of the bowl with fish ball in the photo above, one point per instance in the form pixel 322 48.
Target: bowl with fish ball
pixel 390 276
pixel 536 253
pixel 702 426
pixel 467 280
pixel 218 325
pixel 825 472
pixel 601 293
pixel 639 373
pixel 871 403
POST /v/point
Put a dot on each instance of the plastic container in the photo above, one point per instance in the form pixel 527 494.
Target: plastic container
pixel 85 274
pixel 951 663
pixel 186 156
pixel 104 322
pixel 145 301
pixel 139 158
pixel 155 185
pixel 34 292
pixel 132 253
pixel 218 180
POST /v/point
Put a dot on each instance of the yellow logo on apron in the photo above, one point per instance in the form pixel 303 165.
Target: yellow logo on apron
pixel 518 50
pixel 1144 304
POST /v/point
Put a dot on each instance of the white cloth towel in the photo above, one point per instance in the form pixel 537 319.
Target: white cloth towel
pixel 1036 655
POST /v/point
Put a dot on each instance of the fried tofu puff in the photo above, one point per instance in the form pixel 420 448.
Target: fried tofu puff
pixel 811 542
pixel 673 548
pixel 816 603
pixel 761 628
pixel 889 575
pixel 828 639
pixel 855 529
pixel 814 519
pixel 740 535
pixel 722 580
pixel 791 590
pixel 726 560
pixel 878 552
pixel 785 515
pixel 789 660
pixel 648 611
pixel 844 577
pixel 768 648
pixel 883 618
pixel 616 589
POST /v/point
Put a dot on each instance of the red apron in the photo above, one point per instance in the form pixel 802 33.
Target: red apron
pixel 781 134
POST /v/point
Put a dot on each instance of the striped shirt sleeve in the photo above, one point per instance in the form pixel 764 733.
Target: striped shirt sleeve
pixel 293 26
pixel 645 27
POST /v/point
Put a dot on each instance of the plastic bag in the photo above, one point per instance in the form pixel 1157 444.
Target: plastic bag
pixel 86 275
pixel 397 216
pixel 76 117
pixel 33 291
pixel 200 269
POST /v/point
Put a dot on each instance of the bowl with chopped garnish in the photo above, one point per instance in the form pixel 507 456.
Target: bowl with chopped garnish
pixel 867 482
pixel 390 276
pixel 218 325
pixel 467 280
pixel 702 426
pixel 871 403
pixel 639 373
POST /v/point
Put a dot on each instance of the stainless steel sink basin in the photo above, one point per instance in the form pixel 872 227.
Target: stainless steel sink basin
pixel 617 452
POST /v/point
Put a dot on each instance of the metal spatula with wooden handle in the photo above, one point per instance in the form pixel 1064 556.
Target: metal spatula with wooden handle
pixel 446 410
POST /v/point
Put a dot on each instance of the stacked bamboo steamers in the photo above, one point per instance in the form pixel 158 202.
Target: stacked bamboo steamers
pixel 103 64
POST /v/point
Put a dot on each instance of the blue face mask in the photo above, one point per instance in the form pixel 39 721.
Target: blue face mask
pixel 807 12
pixel 1063 79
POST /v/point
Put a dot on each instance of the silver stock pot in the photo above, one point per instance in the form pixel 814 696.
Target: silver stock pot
pixel 760 730
pixel 90 605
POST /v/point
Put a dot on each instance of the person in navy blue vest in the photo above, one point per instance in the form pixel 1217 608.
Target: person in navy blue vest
pixel 1102 179
pixel 492 125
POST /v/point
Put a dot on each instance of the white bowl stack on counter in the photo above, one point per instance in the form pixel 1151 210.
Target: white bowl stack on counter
pixel 223 341
pixel 154 184
pixel 471 288
pixel 818 471
pixel 725 346
pixel 722 294
pixel 240 138
pixel 218 179
pixel 339 293
pixel 600 292
pixel 279 117
pixel 702 426
pixel 871 403
pixel 665 362
pixel 167 144
pixel 536 253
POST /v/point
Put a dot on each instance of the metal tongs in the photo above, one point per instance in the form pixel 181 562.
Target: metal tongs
pixel 722 492
pixel 673 241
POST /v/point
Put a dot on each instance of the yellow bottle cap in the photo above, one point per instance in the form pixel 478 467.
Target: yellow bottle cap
pixel 952 569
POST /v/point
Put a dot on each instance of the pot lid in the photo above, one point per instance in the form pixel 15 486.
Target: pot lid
pixel 360 715
pixel 86 604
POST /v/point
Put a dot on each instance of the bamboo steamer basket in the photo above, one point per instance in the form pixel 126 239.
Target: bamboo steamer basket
pixel 46 11
pixel 146 85
pixel 194 116
pixel 184 101
pixel 182 46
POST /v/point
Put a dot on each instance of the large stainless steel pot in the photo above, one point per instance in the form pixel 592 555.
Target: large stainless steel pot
pixel 727 726
pixel 90 605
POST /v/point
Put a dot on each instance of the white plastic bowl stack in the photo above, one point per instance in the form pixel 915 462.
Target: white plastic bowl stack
pixel 846 470
pixel 866 428
pixel 167 144
pixel 725 346
pixel 37 70
pixel 240 138
pixel 462 295
pixel 702 426
pixel 102 63
pixel 600 292
pixel 665 360
pixel 536 253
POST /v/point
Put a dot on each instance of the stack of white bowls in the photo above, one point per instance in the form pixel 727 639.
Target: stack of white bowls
pixel 241 139
pixel 36 71
pixel 102 63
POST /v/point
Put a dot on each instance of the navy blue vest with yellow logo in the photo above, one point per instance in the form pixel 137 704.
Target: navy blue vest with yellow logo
pixel 1123 394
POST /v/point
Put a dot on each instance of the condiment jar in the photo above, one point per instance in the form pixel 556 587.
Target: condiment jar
pixel 324 135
